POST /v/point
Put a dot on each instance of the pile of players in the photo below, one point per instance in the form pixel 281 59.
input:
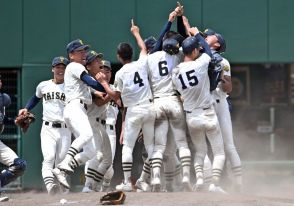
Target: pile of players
pixel 175 93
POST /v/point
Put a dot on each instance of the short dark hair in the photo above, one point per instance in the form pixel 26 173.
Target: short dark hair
pixel 125 51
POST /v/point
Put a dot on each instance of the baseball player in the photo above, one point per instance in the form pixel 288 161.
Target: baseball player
pixel 100 145
pixel 168 106
pixel 15 165
pixel 111 117
pixel 55 136
pixel 77 83
pixel 218 46
pixel 131 83
pixel 191 80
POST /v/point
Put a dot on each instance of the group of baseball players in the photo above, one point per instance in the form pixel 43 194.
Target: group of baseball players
pixel 175 94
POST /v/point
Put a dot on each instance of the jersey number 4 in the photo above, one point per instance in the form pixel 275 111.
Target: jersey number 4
pixel 192 79
pixel 138 80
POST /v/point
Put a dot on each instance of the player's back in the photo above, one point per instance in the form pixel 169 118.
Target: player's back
pixel 160 66
pixel 132 81
pixel 192 81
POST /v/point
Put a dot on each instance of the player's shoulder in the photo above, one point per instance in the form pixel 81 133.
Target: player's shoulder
pixel 74 65
pixel 155 55
pixel 225 64
pixel 45 83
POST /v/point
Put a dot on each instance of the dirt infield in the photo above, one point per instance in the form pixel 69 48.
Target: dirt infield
pixel 151 199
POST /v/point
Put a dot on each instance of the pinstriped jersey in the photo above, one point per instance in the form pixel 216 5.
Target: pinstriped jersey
pixel 132 82
pixel 53 100
pixel 192 81
pixel 160 66
pixel 218 93
pixel 75 88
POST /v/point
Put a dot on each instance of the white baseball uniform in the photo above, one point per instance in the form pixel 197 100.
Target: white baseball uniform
pixel 224 117
pixel 55 136
pixel 169 111
pixel 102 155
pixel 191 80
pixel 78 97
pixel 132 82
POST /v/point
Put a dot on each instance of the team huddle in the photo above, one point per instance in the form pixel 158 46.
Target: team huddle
pixel 175 94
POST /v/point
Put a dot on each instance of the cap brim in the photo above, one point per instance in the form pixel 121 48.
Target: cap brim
pixel 203 34
pixel 84 47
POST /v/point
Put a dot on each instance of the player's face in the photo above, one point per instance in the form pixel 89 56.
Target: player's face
pixel 95 66
pixel 78 56
pixel 107 72
pixel 58 72
pixel 211 40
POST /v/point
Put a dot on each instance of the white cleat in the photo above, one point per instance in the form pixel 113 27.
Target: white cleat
pixel 216 189
pixel 87 190
pixel 186 184
pixel 199 186
pixel 4 199
pixel 65 167
pixel 142 186
pixel 61 177
pixel 53 189
pixel 126 187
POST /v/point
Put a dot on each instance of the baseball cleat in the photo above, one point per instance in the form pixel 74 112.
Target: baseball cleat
pixel 4 199
pixel 217 189
pixel 61 177
pixel 87 190
pixel 65 167
pixel 142 186
pixel 186 184
pixel 126 187
pixel 53 189
pixel 199 185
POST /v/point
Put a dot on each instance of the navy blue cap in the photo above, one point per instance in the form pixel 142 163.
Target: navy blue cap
pixel 171 46
pixel 106 63
pixel 76 45
pixel 91 55
pixel 150 42
pixel 220 39
pixel 60 60
pixel 189 44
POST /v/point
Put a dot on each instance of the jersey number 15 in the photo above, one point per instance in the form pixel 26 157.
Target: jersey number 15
pixel 192 79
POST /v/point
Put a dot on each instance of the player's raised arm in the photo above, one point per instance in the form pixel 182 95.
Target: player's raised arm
pixel 136 32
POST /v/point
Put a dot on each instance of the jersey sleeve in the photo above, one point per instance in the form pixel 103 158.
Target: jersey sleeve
pixel 77 69
pixel 226 67
pixel 39 90
pixel 118 84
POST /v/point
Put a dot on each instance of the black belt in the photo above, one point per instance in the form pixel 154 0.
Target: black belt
pixel 102 121
pixel 188 112
pixel 55 124
pixel 217 100
pixel 171 95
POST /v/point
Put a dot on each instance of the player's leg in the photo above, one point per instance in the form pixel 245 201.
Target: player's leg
pixel 214 136
pixel 16 166
pixel 49 144
pixel 75 116
pixel 178 131
pixel 133 124
pixel 232 155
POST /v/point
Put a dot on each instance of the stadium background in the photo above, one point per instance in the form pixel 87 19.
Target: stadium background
pixel 259 48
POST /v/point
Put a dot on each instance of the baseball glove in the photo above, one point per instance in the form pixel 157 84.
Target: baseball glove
pixel 113 198
pixel 24 121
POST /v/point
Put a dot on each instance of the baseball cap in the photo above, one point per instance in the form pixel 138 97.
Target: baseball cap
pixel 220 38
pixel 91 55
pixel 106 63
pixel 189 44
pixel 76 45
pixel 150 42
pixel 171 46
pixel 59 60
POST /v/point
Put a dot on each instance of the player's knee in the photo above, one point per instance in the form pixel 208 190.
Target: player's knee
pixel 184 152
pixel 127 153
pixel 18 167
